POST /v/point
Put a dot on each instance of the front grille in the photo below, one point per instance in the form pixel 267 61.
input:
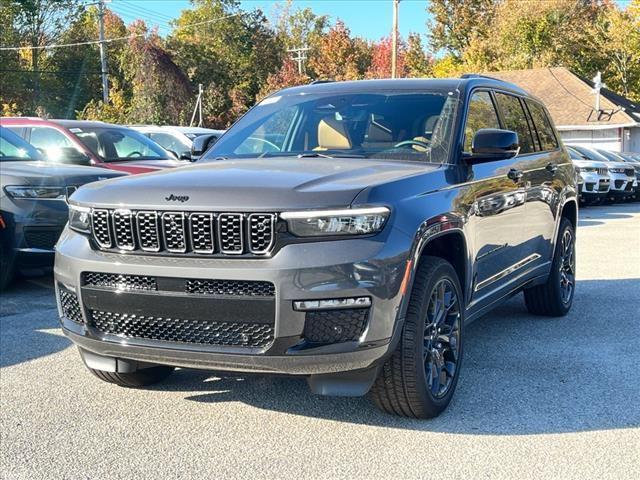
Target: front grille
pixel 603 171
pixel 243 288
pixel 120 282
pixel 44 238
pixel 184 232
pixel 70 305
pixel 334 326
pixel 183 330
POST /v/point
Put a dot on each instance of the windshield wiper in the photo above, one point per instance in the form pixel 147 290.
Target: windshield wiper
pixel 332 155
pixel 314 155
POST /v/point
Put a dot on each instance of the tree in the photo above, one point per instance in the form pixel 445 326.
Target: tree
pixel 287 76
pixel 13 85
pixel 381 59
pixel 454 23
pixel 232 56
pixel 340 57
pixel 417 62
pixel 40 23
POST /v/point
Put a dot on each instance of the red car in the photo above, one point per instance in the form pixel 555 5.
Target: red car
pixel 93 143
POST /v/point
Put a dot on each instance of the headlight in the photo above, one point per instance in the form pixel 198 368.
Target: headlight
pixel 320 223
pixel 616 170
pixel 80 219
pixel 37 193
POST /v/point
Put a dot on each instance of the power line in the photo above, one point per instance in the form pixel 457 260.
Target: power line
pixel 139 9
pixel 109 40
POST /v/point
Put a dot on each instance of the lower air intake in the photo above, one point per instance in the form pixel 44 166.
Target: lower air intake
pixel 182 330
pixel 70 305
pixel 334 326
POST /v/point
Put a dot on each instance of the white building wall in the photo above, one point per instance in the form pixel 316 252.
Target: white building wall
pixel 606 139
pixel 631 139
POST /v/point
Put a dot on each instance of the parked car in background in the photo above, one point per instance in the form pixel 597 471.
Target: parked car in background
pixel 177 140
pixel 92 143
pixel 629 171
pixel 593 177
pixel 346 232
pixel 33 203
pixel 634 160
pixel 622 177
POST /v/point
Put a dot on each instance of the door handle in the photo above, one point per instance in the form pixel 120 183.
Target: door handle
pixel 552 167
pixel 515 174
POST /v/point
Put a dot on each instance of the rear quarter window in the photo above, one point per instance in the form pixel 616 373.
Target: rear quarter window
pixel 543 127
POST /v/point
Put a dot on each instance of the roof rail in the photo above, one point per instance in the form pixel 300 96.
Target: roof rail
pixel 316 82
pixel 478 75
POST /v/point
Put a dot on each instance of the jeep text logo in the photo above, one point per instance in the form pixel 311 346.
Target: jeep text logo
pixel 177 198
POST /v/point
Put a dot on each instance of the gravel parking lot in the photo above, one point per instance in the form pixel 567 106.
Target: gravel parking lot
pixel 537 398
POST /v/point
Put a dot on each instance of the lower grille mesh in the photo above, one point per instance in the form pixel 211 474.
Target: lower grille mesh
pixel 70 305
pixel 120 282
pixel 183 330
pixel 333 326
pixel 231 287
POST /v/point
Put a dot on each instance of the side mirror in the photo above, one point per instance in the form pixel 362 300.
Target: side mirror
pixel 73 155
pixel 185 156
pixel 490 144
pixel 202 143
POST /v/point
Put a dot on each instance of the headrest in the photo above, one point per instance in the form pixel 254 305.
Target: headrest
pixel 332 135
pixel 379 131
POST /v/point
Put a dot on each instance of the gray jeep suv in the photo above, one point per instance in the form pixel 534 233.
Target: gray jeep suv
pixel 345 232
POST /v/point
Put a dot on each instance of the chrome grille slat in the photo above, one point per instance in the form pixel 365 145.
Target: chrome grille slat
pixel 123 229
pixel 148 231
pixel 261 232
pixel 231 233
pixel 174 232
pixel 101 229
pixel 201 232
pixel 180 232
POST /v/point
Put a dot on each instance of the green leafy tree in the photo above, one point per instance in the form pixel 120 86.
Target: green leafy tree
pixel 417 62
pixel 13 84
pixel 454 23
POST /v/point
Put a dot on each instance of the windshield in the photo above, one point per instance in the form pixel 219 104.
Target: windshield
pixel 415 126
pixel 590 154
pixel 14 148
pixel 119 144
pixel 610 156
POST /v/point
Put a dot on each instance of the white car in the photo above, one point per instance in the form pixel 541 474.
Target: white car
pixel 622 167
pixel 593 177
pixel 177 140
pixel 622 176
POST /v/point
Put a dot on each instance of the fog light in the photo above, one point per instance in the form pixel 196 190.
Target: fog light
pixel 333 303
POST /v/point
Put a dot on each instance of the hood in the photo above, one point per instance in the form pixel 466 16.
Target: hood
pixel 51 174
pixel 589 164
pixel 249 185
pixel 144 166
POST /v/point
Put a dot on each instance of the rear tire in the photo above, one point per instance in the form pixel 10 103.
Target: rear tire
pixel 420 377
pixel 555 297
pixel 139 378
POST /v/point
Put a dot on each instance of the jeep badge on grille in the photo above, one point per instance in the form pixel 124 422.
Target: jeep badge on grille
pixel 177 198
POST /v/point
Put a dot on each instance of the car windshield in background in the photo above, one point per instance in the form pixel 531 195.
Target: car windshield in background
pixel 13 148
pixel 119 144
pixel 414 126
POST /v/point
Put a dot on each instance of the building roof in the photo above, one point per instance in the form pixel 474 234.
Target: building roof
pixel 570 100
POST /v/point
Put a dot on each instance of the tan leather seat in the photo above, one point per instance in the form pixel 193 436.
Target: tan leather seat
pixel 332 135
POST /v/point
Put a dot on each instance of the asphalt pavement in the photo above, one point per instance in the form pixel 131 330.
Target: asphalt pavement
pixel 537 398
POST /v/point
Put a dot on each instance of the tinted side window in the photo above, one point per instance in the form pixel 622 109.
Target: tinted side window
pixel 541 121
pixel 47 137
pixel 481 114
pixel 516 120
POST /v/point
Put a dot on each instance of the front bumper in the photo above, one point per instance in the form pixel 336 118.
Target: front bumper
pixel 593 186
pixel 370 267
pixel 621 185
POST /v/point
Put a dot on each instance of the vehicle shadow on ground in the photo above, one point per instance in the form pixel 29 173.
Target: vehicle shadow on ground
pixel 597 215
pixel 29 327
pixel 522 374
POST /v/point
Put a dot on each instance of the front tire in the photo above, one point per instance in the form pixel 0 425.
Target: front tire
pixel 139 378
pixel 420 377
pixel 555 297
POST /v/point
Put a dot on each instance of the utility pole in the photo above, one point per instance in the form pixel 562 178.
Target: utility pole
pixel 301 56
pixel 394 40
pixel 103 54
pixel 198 108
pixel 597 86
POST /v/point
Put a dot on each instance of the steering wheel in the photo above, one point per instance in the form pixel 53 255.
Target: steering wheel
pixel 134 154
pixel 271 144
pixel 411 143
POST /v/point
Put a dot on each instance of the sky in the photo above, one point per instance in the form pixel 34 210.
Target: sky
pixel 370 19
